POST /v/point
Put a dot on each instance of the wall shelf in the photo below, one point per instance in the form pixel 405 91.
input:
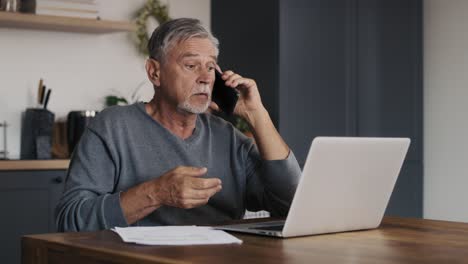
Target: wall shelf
pixel 64 24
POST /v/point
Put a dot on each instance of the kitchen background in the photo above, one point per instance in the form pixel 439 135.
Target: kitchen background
pixel 81 69
pixel 324 67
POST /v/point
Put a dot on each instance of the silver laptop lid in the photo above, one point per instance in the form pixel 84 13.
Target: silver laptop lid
pixel 346 184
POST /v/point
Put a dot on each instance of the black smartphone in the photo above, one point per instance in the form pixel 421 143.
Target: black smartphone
pixel 224 96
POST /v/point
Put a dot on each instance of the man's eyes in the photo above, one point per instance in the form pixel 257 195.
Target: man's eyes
pixel 194 66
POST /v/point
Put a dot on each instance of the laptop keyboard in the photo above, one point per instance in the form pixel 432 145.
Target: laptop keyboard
pixel 274 228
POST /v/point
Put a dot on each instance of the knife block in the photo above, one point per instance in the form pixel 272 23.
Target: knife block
pixel 36 134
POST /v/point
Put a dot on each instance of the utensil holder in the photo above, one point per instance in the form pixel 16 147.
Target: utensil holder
pixel 36 134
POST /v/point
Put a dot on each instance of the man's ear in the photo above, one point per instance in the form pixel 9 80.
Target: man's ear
pixel 153 70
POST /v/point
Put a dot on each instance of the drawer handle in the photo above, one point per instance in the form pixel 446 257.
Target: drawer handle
pixel 58 180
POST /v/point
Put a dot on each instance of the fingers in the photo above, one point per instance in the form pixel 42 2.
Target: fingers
pixel 234 80
pixel 182 187
pixel 195 198
pixel 226 74
pixel 201 184
pixel 191 198
pixel 218 68
pixel 230 77
pixel 189 176
pixel 201 194
pixel 214 106
pixel 243 82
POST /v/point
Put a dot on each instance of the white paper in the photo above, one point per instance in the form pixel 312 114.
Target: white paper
pixel 175 235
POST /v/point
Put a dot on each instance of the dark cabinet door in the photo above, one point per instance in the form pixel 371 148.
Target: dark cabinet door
pixel 342 68
pixel 353 68
pixel 314 91
pixel 27 203
pixel 389 88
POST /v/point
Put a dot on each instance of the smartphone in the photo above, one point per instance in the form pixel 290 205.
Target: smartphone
pixel 224 96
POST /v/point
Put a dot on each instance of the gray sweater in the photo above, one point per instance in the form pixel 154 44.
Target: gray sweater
pixel 123 146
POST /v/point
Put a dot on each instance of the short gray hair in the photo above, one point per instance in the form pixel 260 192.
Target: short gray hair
pixel 176 31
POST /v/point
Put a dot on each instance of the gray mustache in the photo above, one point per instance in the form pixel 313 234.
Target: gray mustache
pixel 202 89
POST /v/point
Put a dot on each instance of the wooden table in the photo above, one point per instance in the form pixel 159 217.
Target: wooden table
pixel 398 240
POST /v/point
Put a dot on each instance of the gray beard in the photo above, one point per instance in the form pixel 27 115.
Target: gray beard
pixel 187 107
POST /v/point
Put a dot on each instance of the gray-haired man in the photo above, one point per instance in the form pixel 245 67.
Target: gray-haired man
pixel 167 162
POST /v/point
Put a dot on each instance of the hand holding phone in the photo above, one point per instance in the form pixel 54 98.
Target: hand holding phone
pixel 224 96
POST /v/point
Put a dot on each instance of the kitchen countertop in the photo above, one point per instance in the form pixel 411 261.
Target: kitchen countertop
pixel 54 164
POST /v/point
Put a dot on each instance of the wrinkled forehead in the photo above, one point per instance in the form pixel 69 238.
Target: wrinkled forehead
pixel 194 48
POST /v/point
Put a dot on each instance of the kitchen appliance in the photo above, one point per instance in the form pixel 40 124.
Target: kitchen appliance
pixel 77 121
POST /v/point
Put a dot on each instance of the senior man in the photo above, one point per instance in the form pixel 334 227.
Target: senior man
pixel 168 162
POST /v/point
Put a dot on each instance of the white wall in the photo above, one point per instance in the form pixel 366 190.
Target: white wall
pixel 446 110
pixel 81 69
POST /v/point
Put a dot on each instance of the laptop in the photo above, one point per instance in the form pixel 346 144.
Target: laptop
pixel 345 185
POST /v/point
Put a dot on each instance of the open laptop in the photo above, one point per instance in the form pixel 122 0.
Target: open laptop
pixel 346 184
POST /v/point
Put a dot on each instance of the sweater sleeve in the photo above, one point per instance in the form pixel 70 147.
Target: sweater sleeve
pixel 271 184
pixel 89 201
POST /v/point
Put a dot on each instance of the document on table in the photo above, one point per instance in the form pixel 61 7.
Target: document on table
pixel 175 235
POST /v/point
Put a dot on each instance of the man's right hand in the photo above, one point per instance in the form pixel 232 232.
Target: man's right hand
pixel 182 187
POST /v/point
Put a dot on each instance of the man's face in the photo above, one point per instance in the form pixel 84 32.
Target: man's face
pixel 187 74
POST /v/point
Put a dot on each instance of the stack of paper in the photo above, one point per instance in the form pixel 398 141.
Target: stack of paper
pixel 175 235
pixel 69 8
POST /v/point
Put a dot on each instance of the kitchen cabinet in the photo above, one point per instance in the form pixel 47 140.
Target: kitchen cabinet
pixel 27 202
